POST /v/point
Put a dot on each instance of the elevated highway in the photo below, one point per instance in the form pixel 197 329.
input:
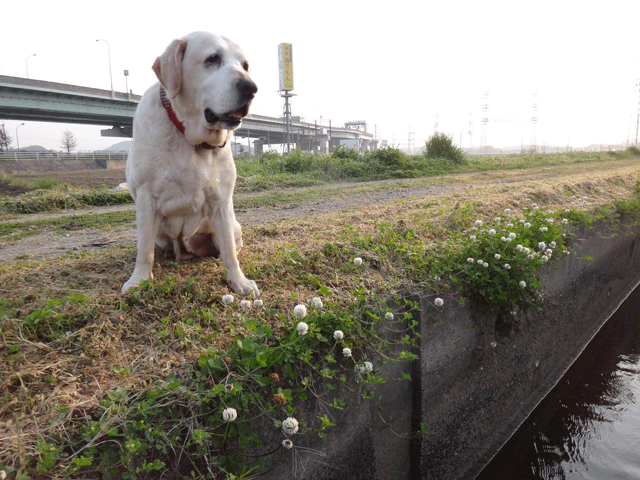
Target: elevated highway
pixel 37 100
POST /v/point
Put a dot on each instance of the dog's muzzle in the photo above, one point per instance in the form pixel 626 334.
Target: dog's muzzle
pixel 247 90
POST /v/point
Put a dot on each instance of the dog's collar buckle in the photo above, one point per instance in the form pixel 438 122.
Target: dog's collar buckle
pixel 179 125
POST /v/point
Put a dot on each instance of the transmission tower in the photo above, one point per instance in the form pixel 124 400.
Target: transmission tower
pixel 485 120
pixel 534 120
pixel 470 130
pixel 410 140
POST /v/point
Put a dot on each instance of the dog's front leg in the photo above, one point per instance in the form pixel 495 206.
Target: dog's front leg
pixel 224 223
pixel 148 223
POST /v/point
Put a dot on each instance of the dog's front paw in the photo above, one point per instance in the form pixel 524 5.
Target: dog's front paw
pixel 135 280
pixel 242 285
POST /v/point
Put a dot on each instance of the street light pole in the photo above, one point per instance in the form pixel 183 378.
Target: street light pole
pixel 27 64
pixel 17 140
pixel 109 55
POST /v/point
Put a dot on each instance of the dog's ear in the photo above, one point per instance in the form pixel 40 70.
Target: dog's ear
pixel 168 67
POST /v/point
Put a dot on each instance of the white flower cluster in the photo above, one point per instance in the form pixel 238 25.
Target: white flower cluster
pixel 366 367
pixel 300 311
pixel 290 426
pixel 229 414
pixel 302 328
pixel 316 302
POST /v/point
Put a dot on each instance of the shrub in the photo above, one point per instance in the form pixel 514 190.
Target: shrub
pixel 441 145
pixel 390 157
pixel 298 161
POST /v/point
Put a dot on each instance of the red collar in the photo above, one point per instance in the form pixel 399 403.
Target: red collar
pixel 179 125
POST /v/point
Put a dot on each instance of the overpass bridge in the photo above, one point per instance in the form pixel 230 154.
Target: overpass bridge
pixel 37 100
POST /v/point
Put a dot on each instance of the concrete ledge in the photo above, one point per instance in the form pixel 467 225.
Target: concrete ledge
pixel 472 395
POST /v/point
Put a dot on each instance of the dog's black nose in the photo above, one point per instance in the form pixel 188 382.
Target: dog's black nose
pixel 209 116
pixel 247 88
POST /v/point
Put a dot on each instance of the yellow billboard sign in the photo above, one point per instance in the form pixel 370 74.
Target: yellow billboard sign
pixel 285 64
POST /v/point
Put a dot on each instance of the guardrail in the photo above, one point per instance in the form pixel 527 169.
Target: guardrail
pixel 42 156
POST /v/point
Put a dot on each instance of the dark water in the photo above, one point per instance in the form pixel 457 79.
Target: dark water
pixel 588 426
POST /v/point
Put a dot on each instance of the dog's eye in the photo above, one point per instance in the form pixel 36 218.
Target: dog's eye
pixel 213 60
pixel 245 65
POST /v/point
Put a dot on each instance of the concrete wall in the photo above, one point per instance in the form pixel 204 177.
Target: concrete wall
pixel 471 394
pixel 67 163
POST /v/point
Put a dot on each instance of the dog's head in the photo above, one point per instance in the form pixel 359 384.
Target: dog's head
pixel 207 78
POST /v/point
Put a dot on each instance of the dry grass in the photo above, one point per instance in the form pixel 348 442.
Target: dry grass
pixel 60 368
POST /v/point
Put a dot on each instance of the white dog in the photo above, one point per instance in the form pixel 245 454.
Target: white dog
pixel 180 171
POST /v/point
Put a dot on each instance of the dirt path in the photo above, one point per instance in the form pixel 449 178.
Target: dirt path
pixel 50 245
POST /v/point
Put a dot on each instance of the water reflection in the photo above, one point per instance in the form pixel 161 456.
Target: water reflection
pixel 588 427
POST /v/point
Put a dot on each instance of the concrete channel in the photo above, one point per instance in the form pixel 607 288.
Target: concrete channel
pixel 471 388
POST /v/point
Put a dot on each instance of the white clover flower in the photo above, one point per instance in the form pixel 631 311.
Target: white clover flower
pixel 357 261
pixel 438 302
pixel 542 245
pixel 548 252
pixel 531 257
pixel 544 258
pixel 229 414
pixel 512 236
pixel 497 219
pixel 473 238
pixel 543 229
pixel 479 261
pixel 522 284
pixel 497 256
pixel 535 209
pixel 507 266
pixel 302 328
pixel 526 250
pixel 3 475
pixel 485 264
pixel 549 220
pixel 366 367
pixel 526 225
pixel 507 211
pixel 478 223
pixel 338 334
pixel 519 247
pixel 565 221
pixel 388 316
pixel 258 303
pixel 227 299
pixel 504 239
pixel 493 344
pixel 552 244
pixel 290 426
pixel 288 444
pixel 245 303
pixel 316 302
pixel 346 352
pixel 492 232
pixel 300 311
pixel 470 260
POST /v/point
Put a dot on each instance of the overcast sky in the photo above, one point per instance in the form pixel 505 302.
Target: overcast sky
pixel 395 64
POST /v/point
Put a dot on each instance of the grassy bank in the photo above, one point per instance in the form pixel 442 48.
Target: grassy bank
pixel 139 385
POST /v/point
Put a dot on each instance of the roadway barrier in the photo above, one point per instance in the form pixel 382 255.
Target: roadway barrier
pixel 17 161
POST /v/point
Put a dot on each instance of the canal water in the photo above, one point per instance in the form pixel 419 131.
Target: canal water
pixel 588 426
